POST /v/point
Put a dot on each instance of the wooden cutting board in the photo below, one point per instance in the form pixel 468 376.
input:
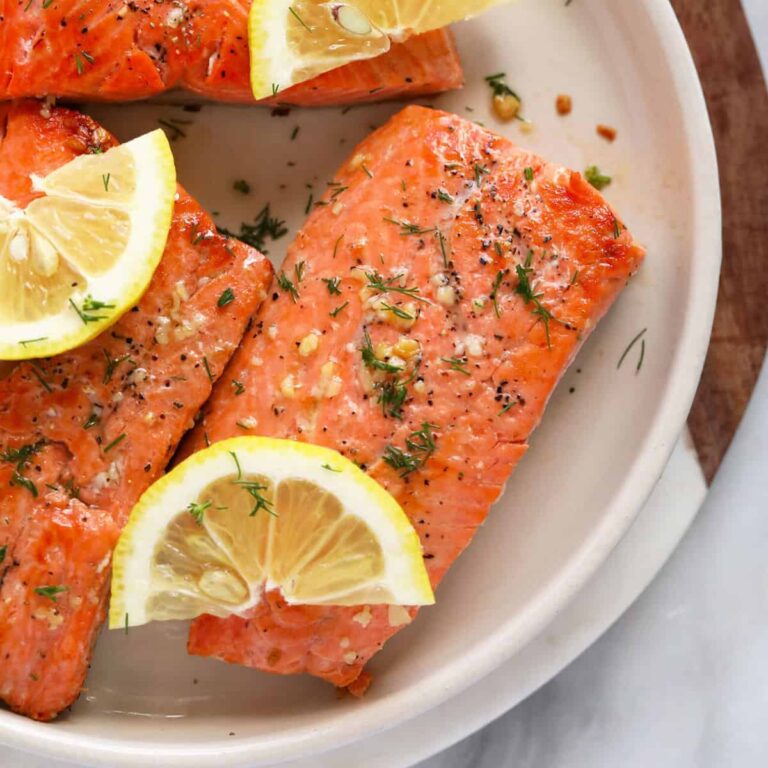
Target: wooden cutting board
pixel 737 100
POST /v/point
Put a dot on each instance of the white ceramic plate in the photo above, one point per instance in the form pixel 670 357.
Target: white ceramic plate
pixel 629 568
pixel 593 462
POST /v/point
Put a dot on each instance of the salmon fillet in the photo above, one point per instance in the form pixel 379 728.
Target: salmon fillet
pixel 110 50
pixel 84 433
pixel 447 279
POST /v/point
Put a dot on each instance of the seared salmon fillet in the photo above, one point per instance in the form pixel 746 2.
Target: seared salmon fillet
pixel 83 434
pixel 110 50
pixel 422 319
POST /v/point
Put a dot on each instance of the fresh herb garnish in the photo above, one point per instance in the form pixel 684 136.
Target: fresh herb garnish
pixel 237 464
pixel 207 367
pixel 324 466
pixel 420 446
pixel 39 376
pixel 406 228
pixel 443 251
pixel 239 386
pixel 91 305
pixel 92 420
pixel 20 457
pixel 378 283
pixel 255 490
pixel 198 510
pixel 457 364
pixel 50 592
pixel 332 284
pixel 227 297
pixel 495 291
pixel 3 550
pixel 338 309
pixel 444 197
pixel 105 177
pixel 119 439
pixel 393 393
pixel 525 289
pixel 498 85
pixel 299 19
pixel 265 228
pixel 19 480
pixel 112 363
pixel 596 178
pixel 242 186
pixel 286 285
pixel 175 131
pixel 396 311
pixel 629 349
pixel 528 173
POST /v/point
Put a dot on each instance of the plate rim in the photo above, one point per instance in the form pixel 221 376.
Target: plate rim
pixel 443 684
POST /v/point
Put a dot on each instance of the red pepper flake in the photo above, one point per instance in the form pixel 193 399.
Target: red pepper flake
pixel 608 133
pixel 564 105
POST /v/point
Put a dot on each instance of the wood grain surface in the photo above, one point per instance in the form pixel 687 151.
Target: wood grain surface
pixel 737 99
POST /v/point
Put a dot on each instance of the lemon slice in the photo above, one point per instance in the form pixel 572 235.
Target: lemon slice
pixel 80 255
pixel 294 40
pixel 254 513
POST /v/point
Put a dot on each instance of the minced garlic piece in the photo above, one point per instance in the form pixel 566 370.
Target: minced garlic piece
pixel 506 106
pixel 309 344
pixel 272 331
pixel 288 386
pixel 350 657
pixel 363 618
pixel 329 384
pixel 406 348
pixel 474 345
pixel 446 295
pixel 397 616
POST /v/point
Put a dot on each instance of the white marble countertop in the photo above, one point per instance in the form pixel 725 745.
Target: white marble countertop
pixel 681 681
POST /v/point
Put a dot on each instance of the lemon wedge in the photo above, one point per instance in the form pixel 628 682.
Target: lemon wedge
pixel 294 40
pixel 254 513
pixel 83 252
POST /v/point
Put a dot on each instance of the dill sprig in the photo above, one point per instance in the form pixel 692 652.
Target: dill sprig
pixel 91 305
pixel 50 592
pixel 332 284
pixel 457 364
pixel 498 85
pixel 198 510
pixel 377 282
pixel 286 284
pixel 420 446
pixel 528 292
pixel 495 291
pixel 406 228
pixel 255 490
pixel 20 457
pixel 265 228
